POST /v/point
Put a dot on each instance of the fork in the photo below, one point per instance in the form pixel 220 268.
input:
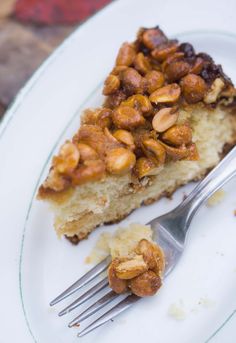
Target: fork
pixel 170 231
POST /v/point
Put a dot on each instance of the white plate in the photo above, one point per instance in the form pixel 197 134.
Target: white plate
pixel 35 265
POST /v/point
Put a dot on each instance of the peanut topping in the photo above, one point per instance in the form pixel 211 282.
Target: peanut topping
pixel 126 55
pixel 146 166
pixel 178 135
pixel 131 81
pixel 140 102
pixel 131 268
pixel 156 149
pixel 167 94
pixel 120 161
pixel 125 137
pixel 125 117
pixel 141 63
pixel 164 119
pixel 153 80
pixel 67 159
pixel 86 152
pixel 176 153
pixel 146 284
pixel 55 181
pixel 194 88
pixel 111 85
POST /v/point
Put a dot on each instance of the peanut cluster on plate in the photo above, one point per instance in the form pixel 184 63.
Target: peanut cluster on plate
pixel 137 129
pixel 140 273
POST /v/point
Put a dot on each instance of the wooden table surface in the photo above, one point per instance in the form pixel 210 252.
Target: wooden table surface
pixel 29 31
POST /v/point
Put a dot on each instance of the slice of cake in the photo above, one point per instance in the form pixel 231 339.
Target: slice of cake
pixel 167 119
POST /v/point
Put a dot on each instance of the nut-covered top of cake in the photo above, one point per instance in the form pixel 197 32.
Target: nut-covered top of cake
pixel 137 130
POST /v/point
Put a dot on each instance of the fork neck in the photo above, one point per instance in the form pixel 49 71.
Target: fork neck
pixel 184 213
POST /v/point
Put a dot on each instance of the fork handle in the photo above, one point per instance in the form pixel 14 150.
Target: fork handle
pixel 221 174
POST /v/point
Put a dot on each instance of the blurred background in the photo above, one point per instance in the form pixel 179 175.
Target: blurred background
pixel 29 32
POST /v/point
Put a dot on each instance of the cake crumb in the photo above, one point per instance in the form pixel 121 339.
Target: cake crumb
pixel 121 243
pixel 216 198
pixel 177 311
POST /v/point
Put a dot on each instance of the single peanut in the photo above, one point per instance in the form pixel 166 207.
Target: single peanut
pixel 164 119
pixel 118 285
pixel 141 63
pixel 125 117
pixel 147 250
pixel 146 166
pixel 131 268
pixel 104 118
pixel 90 171
pixel 111 85
pixel 126 55
pixel 146 284
pixel 153 80
pixel 153 38
pixel 139 102
pixel 156 149
pixel 176 70
pixel 67 159
pixel 197 66
pixel 194 88
pixel 120 161
pixel 86 152
pixel 55 181
pixel 176 153
pixel 131 81
pixel 125 137
pixel 166 94
pixel 172 58
pixel 163 51
pixel 178 135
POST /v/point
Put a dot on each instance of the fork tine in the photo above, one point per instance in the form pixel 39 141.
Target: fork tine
pixel 110 314
pixel 86 296
pixel 89 276
pixel 100 303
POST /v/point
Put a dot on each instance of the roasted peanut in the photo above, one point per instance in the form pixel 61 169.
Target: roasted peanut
pixel 164 50
pixel 194 88
pixel 86 152
pixel 197 66
pixel 131 268
pixel 176 70
pixel 89 116
pixel 94 136
pixel 214 91
pixel 153 80
pixel 147 250
pixel 153 37
pixel 115 99
pixel 172 58
pixel 146 284
pixel 178 135
pixel 166 94
pixel 117 70
pixel 159 256
pixel 111 85
pixel 55 181
pixel 118 285
pixel 91 170
pixel 193 153
pixel 131 81
pixel 164 119
pixel 176 153
pixel 125 137
pixel 139 102
pixel 125 117
pixel 104 118
pixel 119 161
pixel 155 149
pixel 141 63
pixel 146 166
pixel 67 159
pixel 126 55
